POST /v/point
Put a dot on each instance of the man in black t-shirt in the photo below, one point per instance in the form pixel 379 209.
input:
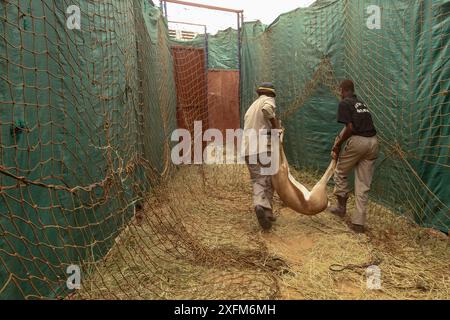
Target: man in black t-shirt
pixel 360 153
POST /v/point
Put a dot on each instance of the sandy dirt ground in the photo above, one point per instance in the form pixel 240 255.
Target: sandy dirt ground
pixel 199 239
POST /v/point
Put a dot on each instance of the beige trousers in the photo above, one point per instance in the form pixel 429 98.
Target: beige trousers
pixel 262 186
pixel 360 153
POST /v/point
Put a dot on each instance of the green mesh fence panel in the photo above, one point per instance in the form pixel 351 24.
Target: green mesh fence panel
pixel 401 71
pixel 86 118
pixel 223 48
pixel 75 132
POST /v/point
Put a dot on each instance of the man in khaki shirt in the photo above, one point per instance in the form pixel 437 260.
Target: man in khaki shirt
pixel 261 119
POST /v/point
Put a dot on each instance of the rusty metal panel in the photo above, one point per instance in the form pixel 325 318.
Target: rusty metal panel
pixel 223 99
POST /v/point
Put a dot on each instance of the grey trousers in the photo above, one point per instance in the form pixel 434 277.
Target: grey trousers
pixel 262 186
pixel 360 153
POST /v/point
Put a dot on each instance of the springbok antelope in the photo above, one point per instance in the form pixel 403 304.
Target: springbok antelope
pixel 294 194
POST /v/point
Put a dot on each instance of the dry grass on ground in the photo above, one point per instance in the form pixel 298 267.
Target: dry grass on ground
pixel 200 240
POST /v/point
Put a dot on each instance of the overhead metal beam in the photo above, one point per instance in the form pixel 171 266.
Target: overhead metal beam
pixel 188 23
pixel 204 6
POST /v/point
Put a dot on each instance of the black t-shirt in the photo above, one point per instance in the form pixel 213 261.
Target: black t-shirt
pixel 353 110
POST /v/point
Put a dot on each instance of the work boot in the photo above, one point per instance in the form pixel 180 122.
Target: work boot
pixel 341 209
pixel 263 220
pixel 357 228
pixel 270 216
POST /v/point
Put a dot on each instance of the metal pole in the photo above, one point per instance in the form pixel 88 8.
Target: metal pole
pixel 206 75
pixel 240 18
pixel 165 10
pixel 206 49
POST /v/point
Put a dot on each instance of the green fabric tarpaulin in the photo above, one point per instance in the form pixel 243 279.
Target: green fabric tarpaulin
pixel 401 71
pixel 71 115
pixel 77 106
pixel 223 48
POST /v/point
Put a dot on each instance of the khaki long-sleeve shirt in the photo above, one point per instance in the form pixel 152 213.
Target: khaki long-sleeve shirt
pixel 258 118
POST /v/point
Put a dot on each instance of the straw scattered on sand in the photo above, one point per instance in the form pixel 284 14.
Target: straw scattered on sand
pixel 200 240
